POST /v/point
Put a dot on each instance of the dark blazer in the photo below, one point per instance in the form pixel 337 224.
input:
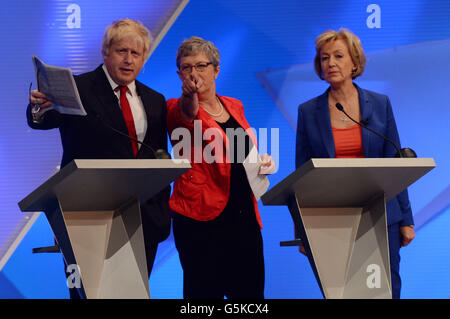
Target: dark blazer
pixel 86 137
pixel 315 139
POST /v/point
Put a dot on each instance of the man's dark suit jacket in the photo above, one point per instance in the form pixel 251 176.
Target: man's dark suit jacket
pixel 87 137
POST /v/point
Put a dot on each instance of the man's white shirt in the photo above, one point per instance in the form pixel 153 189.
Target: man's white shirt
pixel 136 105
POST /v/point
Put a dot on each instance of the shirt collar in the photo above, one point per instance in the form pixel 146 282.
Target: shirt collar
pixel 131 86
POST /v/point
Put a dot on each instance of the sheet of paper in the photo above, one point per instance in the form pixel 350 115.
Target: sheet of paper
pixel 258 183
pixel 59 86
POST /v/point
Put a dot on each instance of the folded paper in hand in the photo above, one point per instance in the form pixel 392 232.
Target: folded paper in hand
pixel 59 86
pixel 258 183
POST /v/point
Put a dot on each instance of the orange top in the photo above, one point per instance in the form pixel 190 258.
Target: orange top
pixel 348 142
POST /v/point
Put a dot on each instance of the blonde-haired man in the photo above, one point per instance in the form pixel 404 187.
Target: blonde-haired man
pixel 112 97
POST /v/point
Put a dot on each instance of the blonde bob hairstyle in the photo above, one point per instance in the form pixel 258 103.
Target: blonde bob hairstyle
pixel 123 28
pixel 354 47
pixel 195 45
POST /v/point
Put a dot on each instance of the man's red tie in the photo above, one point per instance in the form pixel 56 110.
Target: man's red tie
pixel 126 110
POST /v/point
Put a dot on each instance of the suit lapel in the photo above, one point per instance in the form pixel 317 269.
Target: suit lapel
pixel 366 109
pixel 240 118
pixel 324 124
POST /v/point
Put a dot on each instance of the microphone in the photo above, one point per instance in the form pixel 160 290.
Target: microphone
pixel 403 153
pixel 159 154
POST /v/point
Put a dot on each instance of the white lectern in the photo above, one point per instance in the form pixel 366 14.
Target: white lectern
pixel 93 209
pixel 339 211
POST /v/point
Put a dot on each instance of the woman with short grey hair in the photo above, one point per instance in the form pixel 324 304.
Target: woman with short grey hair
pixel 216 222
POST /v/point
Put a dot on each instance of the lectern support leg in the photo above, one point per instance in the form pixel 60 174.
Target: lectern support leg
pixel 55 218
pixel 300 232
pixel 368 270
pixel 347 248
pixel 109 251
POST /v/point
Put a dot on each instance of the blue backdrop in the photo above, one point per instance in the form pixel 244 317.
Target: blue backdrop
pixel 267 49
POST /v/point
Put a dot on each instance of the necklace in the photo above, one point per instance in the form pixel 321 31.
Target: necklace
pixel 216 114
pixel 342 118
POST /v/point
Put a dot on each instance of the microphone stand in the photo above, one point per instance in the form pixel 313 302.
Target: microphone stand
pixel 403 153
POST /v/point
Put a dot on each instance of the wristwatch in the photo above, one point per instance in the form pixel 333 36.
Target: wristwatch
pixel 37 117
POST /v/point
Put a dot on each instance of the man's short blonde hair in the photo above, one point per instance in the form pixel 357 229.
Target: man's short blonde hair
pixel 353 44
pixel 123 28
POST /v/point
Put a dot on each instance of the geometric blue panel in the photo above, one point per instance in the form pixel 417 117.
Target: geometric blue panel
pixel 8 290
pixel 426 262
